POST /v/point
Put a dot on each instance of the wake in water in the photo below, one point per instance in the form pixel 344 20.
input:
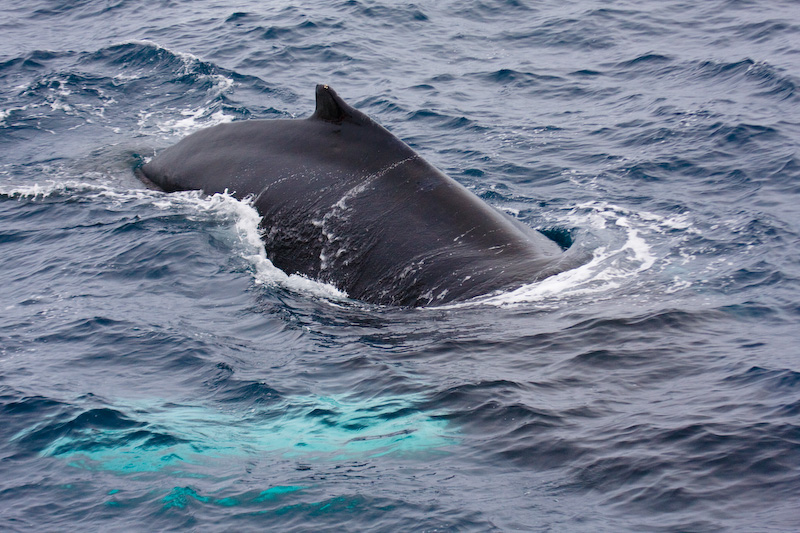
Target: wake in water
pixel 623 244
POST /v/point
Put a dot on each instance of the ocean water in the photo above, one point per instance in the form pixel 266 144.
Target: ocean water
pixel 158 373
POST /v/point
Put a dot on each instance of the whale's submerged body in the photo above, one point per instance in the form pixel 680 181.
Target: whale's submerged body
pixel 345 202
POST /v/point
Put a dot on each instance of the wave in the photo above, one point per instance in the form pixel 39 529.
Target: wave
pixel 769 81
pixel 70 90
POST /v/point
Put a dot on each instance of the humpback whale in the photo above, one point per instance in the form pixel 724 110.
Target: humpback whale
pixel 345 202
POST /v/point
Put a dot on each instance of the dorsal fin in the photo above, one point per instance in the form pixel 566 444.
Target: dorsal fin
pixel 331 108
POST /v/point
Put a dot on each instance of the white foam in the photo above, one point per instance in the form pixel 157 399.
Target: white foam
pixel 72 187
pixel 642 253
pixel 247 227
pixel 591 278
pixel 251 247
pixel 194 119
pixel 626 249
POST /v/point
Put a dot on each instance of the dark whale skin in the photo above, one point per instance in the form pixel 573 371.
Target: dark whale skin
pixel 345 202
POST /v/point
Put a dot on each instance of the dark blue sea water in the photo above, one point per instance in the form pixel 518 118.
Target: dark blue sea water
pixel 157 373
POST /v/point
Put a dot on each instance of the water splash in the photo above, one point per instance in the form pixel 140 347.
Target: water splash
pixel 240 215
pixel 622 244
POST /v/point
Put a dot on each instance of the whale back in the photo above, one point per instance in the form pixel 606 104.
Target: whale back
pixel 346 202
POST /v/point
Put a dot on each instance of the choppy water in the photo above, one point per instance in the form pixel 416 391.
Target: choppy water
pixel 157 373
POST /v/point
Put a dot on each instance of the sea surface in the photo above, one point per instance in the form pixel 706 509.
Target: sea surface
pixel 157 373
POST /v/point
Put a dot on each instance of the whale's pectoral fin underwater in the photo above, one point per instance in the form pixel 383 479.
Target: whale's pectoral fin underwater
pixel 345 202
